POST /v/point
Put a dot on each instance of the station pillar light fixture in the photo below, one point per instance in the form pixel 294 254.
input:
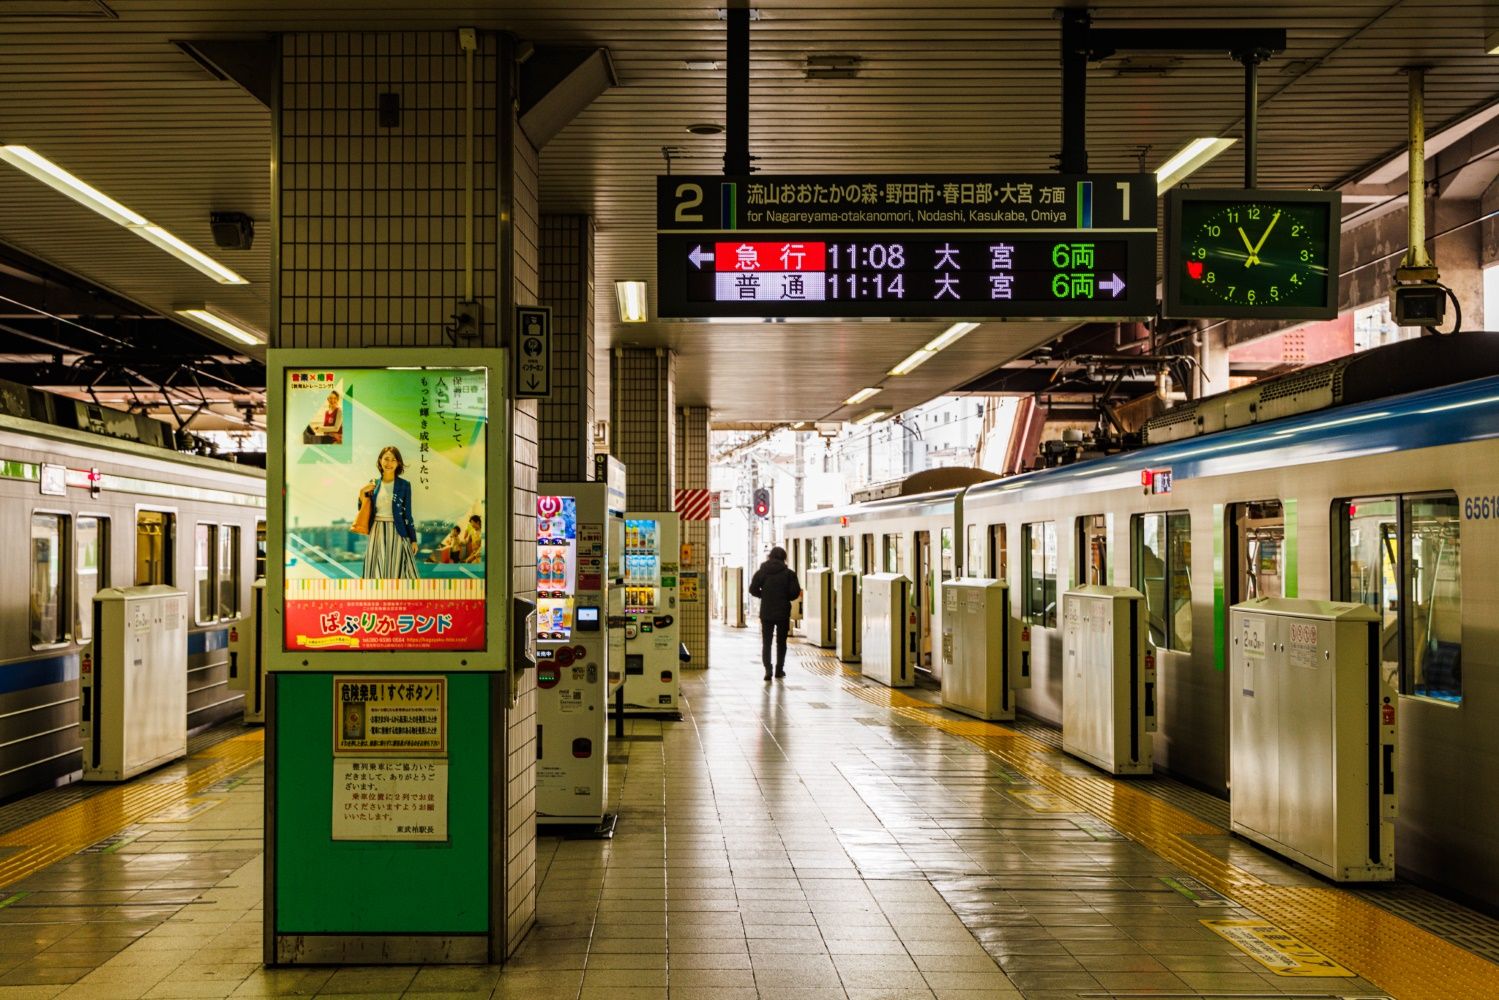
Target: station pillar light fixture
pixel 762 502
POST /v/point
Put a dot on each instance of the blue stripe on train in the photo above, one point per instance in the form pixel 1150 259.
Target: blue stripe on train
pixel 207 642
pixel 37 673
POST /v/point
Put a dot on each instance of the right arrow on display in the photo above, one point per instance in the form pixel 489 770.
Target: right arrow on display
pixel 1115 284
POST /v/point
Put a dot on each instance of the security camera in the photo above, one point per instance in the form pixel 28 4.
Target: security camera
pixel 232 230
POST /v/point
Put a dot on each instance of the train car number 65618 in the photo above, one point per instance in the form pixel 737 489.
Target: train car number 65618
pixel 1480 508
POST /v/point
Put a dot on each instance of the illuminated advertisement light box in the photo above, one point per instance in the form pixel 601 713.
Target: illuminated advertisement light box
pixel 384 473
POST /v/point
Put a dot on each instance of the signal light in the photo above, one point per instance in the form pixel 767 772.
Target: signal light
pixel 762 502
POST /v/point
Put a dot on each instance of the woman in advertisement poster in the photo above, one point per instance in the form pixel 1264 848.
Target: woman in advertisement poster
pixel 392 550
pixel 328 426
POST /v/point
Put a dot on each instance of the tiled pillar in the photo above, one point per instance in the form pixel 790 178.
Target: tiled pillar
pixel 567 287
pixel 692 474
pixel 369 254
pixel 643 424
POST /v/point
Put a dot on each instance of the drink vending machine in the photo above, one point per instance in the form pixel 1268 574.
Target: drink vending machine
pixel 579 538
pixel 652 662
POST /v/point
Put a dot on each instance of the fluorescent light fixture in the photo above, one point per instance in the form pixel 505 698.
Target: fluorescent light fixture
pixel 188 255
pixel 918 358
pixel 1491 43
pixel 866 393
pixel 202 314
pixel 31 162
pixel 632 301
pixel 872 416
pixel 955 332
pixel 1197 154
pixel 25 159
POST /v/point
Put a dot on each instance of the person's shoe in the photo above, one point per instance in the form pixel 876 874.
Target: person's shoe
pixel 767 675
pixel 780 673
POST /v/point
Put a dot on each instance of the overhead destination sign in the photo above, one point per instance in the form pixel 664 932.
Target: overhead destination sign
pixel 974 246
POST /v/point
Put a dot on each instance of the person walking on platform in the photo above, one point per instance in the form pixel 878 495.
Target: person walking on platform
pixel 777 586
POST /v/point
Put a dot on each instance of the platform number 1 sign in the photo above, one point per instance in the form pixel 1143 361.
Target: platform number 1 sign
pixel 533 352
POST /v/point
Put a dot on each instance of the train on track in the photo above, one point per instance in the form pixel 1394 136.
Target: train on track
pixel 93 498
pixel 1363 480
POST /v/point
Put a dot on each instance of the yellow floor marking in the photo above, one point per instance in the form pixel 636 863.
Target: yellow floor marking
pixel 1276 950
pixel 70 830
pixel 181 812
pixel 1042 802
pixel 1404 960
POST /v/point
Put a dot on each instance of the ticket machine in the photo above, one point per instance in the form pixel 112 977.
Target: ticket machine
pixel 579 537
pixel 652 663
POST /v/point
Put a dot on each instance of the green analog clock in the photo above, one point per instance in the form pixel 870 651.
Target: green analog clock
pixel 1252 254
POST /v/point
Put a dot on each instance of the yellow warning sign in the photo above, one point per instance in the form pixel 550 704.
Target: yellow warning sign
pixel 1276 950
pixel 396 715
pixel 1043 802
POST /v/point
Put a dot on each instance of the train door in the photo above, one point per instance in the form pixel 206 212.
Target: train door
pixel 922 589
pixel 1092 550
pixel 155 534
pixel 1257 551
pixel 998 566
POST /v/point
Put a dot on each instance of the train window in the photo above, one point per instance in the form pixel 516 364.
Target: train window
pixel 90 570
pixel 259 549
pixel 866 547
pixel 1039 600
pixel 227 570
pixel 48 627
pixel 154 534
pixel 1403 557
pixel 825 555
pixel 845 554
pixel 205 604
pixel 1093 549
pixel 1163 573
pixel 947 553
pixel 999 559
pixel 973 556
pixel 893 560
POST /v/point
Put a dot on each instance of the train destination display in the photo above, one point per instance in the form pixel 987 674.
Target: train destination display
pixel 1031 246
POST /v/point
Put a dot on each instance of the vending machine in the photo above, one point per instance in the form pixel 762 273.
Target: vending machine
pixel 652 662
pixel 579 537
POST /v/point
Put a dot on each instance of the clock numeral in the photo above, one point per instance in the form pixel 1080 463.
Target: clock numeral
pixel 1296 230
pixel 1215 230
pixel 1275 292
pixel 1254 212
pixel 1210 278
pixel 1233 215
pixel 1233 288
pixel 1251 295
pixel 1306 255
pixel 1200 253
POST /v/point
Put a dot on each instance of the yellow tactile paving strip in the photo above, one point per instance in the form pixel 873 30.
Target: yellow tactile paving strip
pixel 70 830
pixel 1404 960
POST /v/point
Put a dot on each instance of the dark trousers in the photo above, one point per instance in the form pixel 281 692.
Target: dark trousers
pixel 777 627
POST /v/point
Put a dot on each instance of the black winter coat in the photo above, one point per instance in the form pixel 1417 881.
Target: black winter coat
pixel 777 586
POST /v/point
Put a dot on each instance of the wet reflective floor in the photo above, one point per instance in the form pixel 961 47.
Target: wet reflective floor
pixel 814 837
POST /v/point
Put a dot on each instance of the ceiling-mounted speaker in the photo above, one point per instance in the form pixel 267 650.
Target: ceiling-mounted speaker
pixel 232 230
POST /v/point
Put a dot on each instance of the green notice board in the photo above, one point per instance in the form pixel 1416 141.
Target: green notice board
pixel 325 886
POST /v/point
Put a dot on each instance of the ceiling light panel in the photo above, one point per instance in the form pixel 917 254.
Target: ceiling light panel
pixel 1197 154
pixel 866 393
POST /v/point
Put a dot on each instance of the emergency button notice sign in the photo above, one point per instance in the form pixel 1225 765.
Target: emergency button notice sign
pixel 533 352
pixel 384 714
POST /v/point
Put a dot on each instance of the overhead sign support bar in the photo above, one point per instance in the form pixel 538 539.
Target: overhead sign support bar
pixel 1082 43
pixel 736 155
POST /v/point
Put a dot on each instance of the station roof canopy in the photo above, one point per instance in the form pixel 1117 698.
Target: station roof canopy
pixel 837 86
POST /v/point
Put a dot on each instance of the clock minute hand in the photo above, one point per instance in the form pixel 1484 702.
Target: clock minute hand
pixel 1273 220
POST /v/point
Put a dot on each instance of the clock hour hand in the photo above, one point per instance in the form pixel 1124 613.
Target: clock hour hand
pixel 1251 259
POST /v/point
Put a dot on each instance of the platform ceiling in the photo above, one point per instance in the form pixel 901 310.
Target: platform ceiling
pixel 942 86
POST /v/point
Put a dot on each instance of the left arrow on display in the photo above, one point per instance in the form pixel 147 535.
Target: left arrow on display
pixel 1115 284
pixel 699 257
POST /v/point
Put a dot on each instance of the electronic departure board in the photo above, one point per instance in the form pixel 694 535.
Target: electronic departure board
pixel 988 246
pixel 1252 254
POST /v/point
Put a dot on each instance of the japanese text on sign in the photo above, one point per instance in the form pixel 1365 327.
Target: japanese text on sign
pixel 390 799
pixel 390 715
